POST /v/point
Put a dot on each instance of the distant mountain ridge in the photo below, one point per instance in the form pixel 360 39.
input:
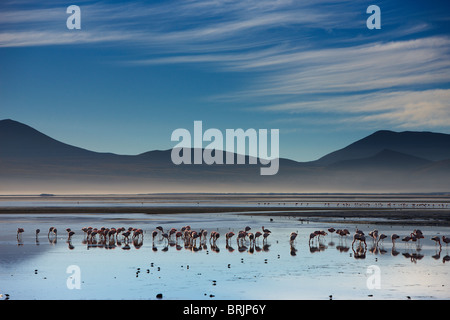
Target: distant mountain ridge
pixel 31 161
pixel 21 140
pixel 384 159
pixel 427 145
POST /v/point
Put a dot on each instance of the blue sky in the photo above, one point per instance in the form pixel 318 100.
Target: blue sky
pixel 138 70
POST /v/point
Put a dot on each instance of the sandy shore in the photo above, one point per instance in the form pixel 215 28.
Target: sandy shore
pixel 423 209
pixel 412 217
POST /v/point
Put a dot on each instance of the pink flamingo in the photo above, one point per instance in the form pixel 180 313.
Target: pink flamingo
pixel 241 235
pixel 19 232
pixel 165 236
pixel 178 235
pixel 406 239
pixel 381 237
pixel 360 238
pixel 266 230
pixel 292 237
pixel 228 236
pixel 437 240
pixel 257 235
pixel 265 235
pixel 374 235
pixel 312 236
pixel 394 237
pixel 172 231
pixel 124 234
pixel 51 229
pixel 70 234
pixel 251 237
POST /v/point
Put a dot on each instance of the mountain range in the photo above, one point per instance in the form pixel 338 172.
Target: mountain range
pixel 385 161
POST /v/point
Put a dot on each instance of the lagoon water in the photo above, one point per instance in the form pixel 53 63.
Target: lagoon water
pixel 275 269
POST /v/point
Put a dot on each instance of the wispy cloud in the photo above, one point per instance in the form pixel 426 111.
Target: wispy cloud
pixel 173 22
pixel 307 56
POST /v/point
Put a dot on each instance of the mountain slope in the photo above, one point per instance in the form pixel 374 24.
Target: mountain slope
pixel 17 140
pixel 385 159
pixel 426 145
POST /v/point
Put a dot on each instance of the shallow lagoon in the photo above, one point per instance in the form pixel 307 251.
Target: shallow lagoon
pixel 276 270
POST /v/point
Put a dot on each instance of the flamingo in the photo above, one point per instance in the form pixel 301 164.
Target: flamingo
pixel 194 236
pixel 138 233
pixel 257 235
pixel 437 240
pixel 216 236
pixel 125 234
pixel 266 230
pixel 446 240
pixel 50 230
pixel 406 239
pixel 251 237
pixel 172 231
pixel 178 235
pixel 374 235
pixel 311 236
pixel 292 237
pixel 212 236
pixel 418 233
pixel 165 236
pixel 360 238
pixel 19 232
pixel 322 233
pixel 70 234
pixel 345 232
pixel 111 232
pixel 203 234
pixel 241 235
pixel 381 237
pixel 228 236
pixel 265 235
pixel 394 237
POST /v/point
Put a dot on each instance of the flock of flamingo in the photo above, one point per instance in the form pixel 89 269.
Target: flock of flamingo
pixel 243 237
pixel 402 205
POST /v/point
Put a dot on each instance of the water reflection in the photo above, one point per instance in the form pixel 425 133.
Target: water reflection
pixel 293 250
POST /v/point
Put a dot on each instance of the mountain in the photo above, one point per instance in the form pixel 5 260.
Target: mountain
pixel 20 141
pixel 426 145
pixel 385 161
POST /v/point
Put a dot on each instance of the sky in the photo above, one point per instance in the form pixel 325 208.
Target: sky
pixel 138 70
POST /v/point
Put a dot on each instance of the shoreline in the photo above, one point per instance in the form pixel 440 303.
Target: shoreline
pixel 439 217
